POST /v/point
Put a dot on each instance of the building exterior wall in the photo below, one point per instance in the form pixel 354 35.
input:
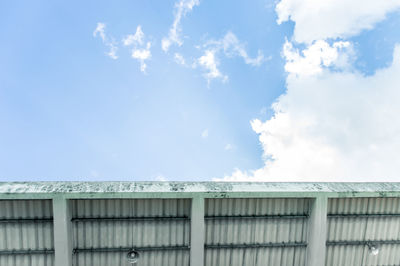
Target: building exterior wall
pixel 230 223
pixel 116 223
pixel 26 231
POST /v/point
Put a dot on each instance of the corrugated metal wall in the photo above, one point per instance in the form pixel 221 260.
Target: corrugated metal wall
pixel 133 233
pixel 363 229
pixel 19 235
pixel 252 231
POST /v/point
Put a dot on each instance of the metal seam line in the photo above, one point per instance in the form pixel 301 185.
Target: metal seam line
pixel 258 245
pixel 364 215
pixel 27 220
pixel 364 242
pixel 126 249
pixel 276 216
pixel 155 218
pixel 26 251
pixel 170 248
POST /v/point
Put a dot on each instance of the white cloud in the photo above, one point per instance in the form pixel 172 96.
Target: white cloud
pixel 231 47
pixel 317 56
pixel 210 63
pixel 181 9
pixel 140 49
pixel 333 126
pixel 161 178
pixel 179 59
pixel 142 55
pixel 134 39
pixel 100 29
pixel 204 134
pixel 317 19
pixel 113 51
pixel 107 41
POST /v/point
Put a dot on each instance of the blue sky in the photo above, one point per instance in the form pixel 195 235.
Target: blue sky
pixel 69 111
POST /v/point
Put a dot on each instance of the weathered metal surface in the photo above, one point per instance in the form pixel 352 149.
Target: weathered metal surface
pixel 134 233
pixel 27 234
pixel 188 189
pixel 242 232
pixel 367 227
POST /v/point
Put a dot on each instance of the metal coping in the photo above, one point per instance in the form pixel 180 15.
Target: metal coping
pixel 104 190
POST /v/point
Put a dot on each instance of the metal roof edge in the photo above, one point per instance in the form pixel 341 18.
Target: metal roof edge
pixel 203 188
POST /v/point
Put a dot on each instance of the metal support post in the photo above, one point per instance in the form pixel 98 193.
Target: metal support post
pixel 197 232
pixel 317 229
pixel 62 232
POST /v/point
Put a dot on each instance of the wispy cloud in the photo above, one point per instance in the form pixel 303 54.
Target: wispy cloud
pixel 229 46
pixel 134 39
pixel 179 59
pixel 181 9
pixel 209 62
pixel 107 41
pixel 140 48
pixel 233 47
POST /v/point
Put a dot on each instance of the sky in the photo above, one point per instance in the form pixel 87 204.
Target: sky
pixel 199 90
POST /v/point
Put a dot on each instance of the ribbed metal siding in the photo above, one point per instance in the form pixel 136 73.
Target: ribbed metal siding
pixel 27 235
pixel 250 231
pixel 363 229
pixel 114 234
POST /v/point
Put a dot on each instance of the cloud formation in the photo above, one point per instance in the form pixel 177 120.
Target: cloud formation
pixel 316 20
pixel 210 62
pixel 333 123
pixel 317 56
pixel 181 9
pixel 140 48
pixel 107 41
pixel 229 46
pixel 179 59
pixel 333 126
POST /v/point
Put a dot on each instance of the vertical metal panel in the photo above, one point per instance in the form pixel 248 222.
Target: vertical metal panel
pixel 250 231
pixel 26 235
pixel 363 229
pixel 114 234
